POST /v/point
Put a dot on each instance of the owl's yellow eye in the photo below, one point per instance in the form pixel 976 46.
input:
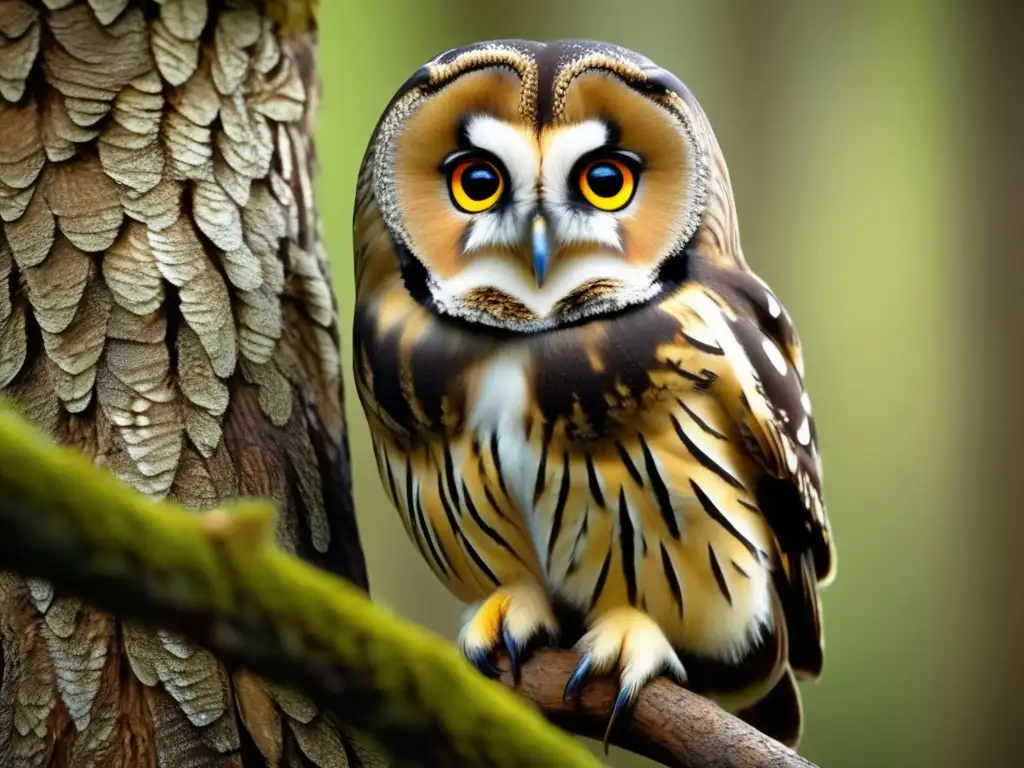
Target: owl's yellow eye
pixel 607 183
pixel 475 185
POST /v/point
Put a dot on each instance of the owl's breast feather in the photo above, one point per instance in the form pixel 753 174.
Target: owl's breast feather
pixel 500 405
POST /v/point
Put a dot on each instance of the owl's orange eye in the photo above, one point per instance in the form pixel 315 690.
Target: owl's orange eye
pixel 475 185
pixel 607 183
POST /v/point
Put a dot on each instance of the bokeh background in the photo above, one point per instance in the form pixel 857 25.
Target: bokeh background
pixel 849 129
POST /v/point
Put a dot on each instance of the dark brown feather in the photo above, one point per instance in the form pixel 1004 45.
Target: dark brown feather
pixel 779 714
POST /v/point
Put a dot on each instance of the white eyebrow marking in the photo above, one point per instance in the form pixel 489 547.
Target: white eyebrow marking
pixel 567 146
pixel 508 144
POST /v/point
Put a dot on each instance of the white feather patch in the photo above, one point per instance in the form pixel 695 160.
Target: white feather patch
pixel 511 145
pixel 517 282
pixel 563 151
pixel 499 407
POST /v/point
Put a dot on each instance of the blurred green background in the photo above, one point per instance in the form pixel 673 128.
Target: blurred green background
pixel 846 146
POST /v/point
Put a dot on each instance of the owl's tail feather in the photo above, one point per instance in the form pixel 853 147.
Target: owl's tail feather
pixel 798 590
pixel 779 714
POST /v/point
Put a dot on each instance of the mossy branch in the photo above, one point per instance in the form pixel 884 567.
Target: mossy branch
pixel 218 579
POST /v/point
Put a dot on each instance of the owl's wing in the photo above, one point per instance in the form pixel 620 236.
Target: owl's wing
pixel 762 385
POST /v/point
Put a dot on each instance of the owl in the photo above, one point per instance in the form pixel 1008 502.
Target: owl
pixel 588 411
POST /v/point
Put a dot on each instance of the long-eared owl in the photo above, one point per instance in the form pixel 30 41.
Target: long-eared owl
pixel 588 410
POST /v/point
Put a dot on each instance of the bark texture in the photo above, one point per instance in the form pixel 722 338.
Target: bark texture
pixel 165 309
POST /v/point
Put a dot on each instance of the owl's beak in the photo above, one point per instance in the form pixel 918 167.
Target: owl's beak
pixel 539 240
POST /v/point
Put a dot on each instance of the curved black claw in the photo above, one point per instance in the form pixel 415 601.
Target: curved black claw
pixel 482 661
pixel 515 651
pixel 623 704
pixel 578 678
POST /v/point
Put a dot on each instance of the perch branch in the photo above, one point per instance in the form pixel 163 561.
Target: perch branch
pixel 218 579
pixel 669 724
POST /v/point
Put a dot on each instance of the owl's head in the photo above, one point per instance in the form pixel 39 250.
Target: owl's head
pixel 527 185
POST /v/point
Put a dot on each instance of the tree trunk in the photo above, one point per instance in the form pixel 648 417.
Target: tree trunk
pixel 165 308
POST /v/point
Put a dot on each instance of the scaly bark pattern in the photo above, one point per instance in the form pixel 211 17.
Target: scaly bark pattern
pixel 165 308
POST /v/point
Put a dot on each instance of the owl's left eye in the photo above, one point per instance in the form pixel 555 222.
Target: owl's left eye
pixel 475 184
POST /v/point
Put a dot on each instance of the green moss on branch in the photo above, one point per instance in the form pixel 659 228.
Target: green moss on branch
pixel 218 579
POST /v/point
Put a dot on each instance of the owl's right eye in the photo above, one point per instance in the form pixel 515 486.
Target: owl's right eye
pixel 475 184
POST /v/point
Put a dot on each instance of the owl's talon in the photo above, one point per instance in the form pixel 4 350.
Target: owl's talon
pixel 515 649
pixel 576 681
pixel 482 661
pixel 512 616
pixel 632 640
pixel 623 704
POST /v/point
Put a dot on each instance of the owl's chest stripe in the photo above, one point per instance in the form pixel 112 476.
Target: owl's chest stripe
pixel 456 529
pixel 661 495
pixel 672 578
pixel 626 546
pixel 449 471
pixel 716 514
pixel 716 569
pixel 542 466
pixel 704 459
pixel 490 532
pixel 627 462
pixel 494 503
pixel 592 481
pixel 556 521
pixel 578 545
pixel 707 428
pixel 419 523
pixel 602 578
pixel 496 459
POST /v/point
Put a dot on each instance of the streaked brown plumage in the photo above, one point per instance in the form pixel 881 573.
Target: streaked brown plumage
pixel 583 403
pixel 165 307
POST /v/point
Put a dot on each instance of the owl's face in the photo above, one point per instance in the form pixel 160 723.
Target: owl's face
pixel 526 186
